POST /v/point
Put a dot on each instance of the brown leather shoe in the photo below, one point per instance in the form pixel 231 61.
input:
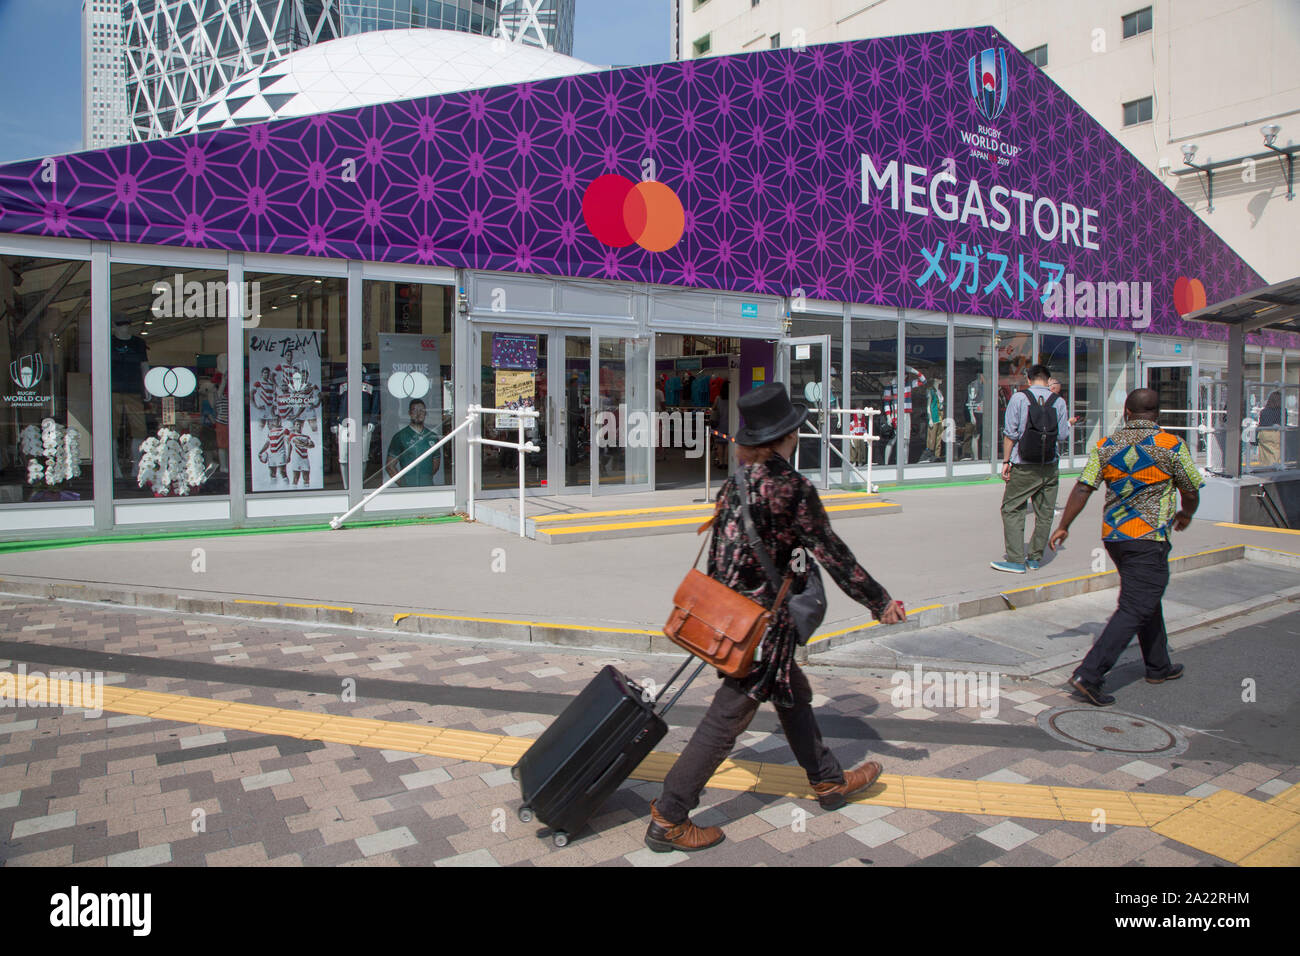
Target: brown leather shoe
pixel 832 796
pixel 664 837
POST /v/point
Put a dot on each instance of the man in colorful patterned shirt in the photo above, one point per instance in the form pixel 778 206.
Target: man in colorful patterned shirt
pixel 1142 467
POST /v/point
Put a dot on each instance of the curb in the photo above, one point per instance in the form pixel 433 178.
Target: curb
pixel 1016 598
pixel 613 635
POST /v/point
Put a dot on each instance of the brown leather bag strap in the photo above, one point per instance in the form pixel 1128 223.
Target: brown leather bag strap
pixel 717 509
pixel 781 595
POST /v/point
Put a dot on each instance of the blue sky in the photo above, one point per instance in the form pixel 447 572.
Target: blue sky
pixel 40 63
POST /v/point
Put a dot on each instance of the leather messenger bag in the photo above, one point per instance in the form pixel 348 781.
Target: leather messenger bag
pixel 715 623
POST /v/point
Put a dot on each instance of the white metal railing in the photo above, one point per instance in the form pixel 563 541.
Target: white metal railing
pixel 522 446
pixel 870 437
pixel 1200 421
pixel 471 422
pixel 337 522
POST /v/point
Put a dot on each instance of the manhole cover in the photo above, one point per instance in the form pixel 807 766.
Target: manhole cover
pixel 1111 731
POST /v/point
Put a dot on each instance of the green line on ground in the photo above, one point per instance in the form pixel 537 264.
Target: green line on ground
pixel 14 547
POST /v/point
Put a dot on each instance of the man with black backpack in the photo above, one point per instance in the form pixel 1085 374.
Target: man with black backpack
pixel 1036 420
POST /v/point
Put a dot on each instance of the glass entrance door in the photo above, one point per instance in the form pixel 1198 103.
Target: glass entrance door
pixel 622 424
pixel 1172 382
pixel 547 370
pixel 806 367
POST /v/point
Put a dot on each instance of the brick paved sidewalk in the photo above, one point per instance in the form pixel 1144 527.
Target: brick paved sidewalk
pixel 126 790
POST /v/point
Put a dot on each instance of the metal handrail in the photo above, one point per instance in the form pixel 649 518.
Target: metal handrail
pixel 337 522
pixel 471 419
pixel 869 437
pixel 522 446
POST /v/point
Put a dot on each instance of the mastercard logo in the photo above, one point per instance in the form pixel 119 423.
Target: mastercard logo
pixel 1189 295
pixel 620 212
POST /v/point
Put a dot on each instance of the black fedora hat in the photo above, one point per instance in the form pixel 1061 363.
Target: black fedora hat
pixel 769 414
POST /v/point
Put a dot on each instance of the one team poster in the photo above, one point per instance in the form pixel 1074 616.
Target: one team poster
pixel 284 410
pixel 410 370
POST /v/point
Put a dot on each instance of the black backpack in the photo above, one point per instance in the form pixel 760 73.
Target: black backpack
pixel 1037 445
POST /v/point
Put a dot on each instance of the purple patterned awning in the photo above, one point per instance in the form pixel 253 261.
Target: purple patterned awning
pixel 867 172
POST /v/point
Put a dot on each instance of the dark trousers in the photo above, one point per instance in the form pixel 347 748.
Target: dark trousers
pixel 1143 575
pixel 727 717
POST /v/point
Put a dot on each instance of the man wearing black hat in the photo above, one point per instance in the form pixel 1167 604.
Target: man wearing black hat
pixel 792 526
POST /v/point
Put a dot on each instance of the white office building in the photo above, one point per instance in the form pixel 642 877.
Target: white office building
pixel 1199 79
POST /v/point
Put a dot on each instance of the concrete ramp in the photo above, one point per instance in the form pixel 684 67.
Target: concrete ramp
pixel 1041 637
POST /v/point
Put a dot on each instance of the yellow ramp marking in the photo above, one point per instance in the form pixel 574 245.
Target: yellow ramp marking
pixel 398 618
pixel 704 509
pixel 675 522
pixel 1228 825
pixel 866 624
pixel 1048 584
pixel 1251 527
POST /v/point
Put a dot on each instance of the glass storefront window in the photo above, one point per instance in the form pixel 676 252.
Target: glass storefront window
pixel 972 393
pixel 1054 352
pixel 45 430
pixel 1086 395
pixel 1121 378
pixel 1015 355
pixel 168 376
pixel 926 347
pixel 873 383
pixel 407 400
pixel 295 363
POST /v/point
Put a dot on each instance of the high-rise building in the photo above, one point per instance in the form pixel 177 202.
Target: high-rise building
pixel 178 52
pixel 542 23
pixel 103 119
pixel 149 63
pixel 1205 82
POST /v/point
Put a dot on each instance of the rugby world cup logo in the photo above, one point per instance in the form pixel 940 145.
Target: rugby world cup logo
pixel 988 82
pixel 26 372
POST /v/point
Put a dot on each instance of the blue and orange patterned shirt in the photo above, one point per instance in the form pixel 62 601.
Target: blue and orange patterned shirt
pixel 1142 467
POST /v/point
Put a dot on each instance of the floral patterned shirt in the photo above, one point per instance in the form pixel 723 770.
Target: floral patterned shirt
pixel 788 514
pixel 1142 467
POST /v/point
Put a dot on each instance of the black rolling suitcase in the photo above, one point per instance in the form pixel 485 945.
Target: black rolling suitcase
pixel 580 760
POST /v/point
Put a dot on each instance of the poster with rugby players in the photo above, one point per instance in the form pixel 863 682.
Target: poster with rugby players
pixel 284 410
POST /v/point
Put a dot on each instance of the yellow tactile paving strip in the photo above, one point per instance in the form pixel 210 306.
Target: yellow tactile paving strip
pixel 1228 825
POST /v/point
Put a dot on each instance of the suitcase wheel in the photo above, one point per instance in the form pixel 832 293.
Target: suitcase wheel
pixel 561 839
pixel 514 772
pixel 525 814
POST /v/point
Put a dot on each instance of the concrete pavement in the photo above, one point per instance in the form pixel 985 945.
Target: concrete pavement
pixel 475 580
pixel 240 743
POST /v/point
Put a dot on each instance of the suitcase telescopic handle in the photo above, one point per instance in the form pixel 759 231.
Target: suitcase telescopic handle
pixel 681 690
